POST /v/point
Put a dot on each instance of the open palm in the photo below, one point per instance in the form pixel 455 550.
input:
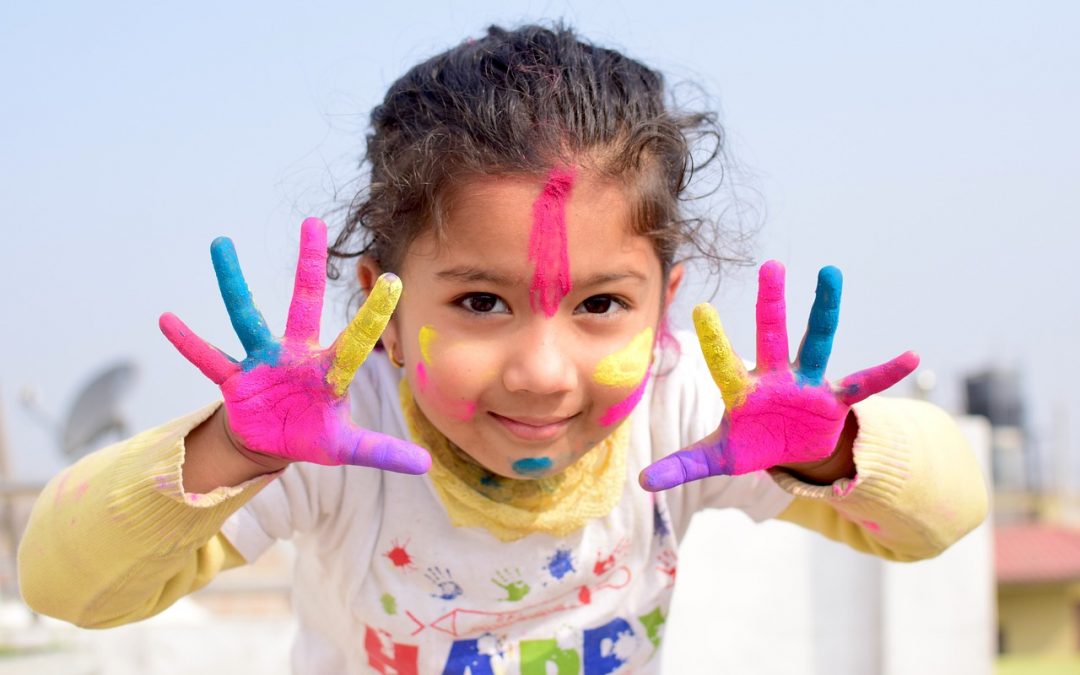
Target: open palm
pixel 779 413
pixel 289 397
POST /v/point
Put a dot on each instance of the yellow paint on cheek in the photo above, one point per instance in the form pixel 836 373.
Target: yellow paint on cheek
pixel 427 336
pixel 626 367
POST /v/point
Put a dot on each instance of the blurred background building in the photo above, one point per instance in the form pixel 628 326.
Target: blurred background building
pixel 1036 533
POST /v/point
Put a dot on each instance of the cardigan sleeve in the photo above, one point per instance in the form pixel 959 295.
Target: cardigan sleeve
pixel 917 490
pixel 115 538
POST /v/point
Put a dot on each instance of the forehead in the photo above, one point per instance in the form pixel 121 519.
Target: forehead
pixel 488 222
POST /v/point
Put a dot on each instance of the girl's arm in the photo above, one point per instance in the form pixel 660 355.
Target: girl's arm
pixel 917 489
pixel 883 475
pixel 129 529
pixel 116 538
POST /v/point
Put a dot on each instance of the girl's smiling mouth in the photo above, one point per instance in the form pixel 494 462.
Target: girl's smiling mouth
pixel 533 428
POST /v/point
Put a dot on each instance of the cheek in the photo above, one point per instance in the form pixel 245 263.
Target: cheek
pixel 450 375
pixel 622 377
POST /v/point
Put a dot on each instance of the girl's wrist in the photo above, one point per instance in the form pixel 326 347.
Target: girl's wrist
pixel 214 458
pixel 840 464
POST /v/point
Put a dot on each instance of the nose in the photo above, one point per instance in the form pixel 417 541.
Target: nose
pixel 538 362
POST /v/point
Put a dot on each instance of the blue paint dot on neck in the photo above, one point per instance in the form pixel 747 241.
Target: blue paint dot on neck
pixel 531 465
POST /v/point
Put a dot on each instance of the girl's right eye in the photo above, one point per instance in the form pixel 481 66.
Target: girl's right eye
pixel 483 303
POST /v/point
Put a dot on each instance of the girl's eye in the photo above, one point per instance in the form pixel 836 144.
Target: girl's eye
pixel 601 304
pixel 483 303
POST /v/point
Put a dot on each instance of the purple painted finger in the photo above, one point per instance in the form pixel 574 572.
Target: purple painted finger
pixel 857 386
pixel 305 311
pixel 361 447
pixel 700 460
pixel 213 363
pixel 772 338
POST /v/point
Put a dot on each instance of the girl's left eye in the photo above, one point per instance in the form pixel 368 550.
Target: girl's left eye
pixel 604 305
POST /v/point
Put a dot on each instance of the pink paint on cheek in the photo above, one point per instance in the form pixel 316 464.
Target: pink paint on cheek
pixel 81 490
pixel 463 410
pixel 548 245
pixel 871 525
pixel 421 377
pixel 623 408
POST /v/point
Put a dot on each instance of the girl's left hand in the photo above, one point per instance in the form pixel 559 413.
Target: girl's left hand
pixel 780 413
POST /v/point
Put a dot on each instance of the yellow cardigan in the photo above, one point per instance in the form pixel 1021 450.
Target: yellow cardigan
pixel 115 539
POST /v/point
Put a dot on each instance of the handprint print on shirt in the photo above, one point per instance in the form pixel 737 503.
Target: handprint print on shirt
pixel 288 397
pixel 779 413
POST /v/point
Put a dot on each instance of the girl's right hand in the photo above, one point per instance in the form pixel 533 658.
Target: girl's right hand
pixel 289 398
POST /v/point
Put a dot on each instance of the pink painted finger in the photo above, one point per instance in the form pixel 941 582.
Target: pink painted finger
pixel 705 458
pixel 305 311
pixel 213 363
pixel 362 447
pixel 772 338
pixel 857 386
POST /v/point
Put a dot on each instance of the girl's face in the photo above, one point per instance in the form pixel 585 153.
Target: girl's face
pixel 523 345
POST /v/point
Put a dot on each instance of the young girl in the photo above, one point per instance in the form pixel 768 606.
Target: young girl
pixel 524 205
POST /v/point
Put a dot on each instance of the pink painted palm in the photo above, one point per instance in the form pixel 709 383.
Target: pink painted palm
pixel 289 397
pixel 780 413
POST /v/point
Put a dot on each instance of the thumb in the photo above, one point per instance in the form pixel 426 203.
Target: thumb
pixel 357 446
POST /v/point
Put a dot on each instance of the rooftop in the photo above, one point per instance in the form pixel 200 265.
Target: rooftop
pixel 1036 553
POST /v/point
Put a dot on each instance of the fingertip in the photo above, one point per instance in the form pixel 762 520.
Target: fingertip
pixel 645 481
pixel 313 224
pixel 771 269
pixel 703 310
pixel 390 284
pixel 221 245
pixel 910 360
pixel 830 277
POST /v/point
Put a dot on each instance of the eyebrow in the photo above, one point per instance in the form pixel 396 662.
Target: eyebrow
pixel 477 274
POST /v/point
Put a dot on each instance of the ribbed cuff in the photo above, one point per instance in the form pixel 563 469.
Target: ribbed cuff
pixel 883 453
pixel 146 495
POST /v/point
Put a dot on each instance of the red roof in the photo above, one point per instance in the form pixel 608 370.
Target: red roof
pixel 1036 552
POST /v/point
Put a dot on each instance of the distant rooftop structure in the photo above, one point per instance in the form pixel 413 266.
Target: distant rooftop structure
pixel 1036 553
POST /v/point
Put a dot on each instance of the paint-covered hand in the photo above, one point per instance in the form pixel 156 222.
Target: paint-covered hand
pixel 779 413
pixel 288 399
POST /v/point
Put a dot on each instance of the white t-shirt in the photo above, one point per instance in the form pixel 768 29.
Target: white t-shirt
pixel 385 583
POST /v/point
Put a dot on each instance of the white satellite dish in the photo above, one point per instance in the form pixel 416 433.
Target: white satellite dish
pixel 95 413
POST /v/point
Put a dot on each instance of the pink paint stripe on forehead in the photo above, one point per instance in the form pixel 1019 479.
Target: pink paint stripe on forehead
pixel 547 244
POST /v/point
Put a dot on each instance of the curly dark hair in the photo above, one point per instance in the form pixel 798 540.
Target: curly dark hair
pixel 521 102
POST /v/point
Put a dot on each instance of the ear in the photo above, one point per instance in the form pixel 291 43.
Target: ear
pixel 675 278
pixel 367 272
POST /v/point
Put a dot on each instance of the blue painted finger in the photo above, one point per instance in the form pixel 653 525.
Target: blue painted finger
pixel 824 317
pixel 247 321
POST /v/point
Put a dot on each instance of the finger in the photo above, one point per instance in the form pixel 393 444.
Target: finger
pixel 857 386
pixel 247 321
pixel 353 346
pixel 772 340
pixel 824 317
pixel 305 311
pixel 725 365
pixel 213 363
pixel 705 458
pixel 362 447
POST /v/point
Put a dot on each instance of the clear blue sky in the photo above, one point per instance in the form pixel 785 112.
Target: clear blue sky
pixel 929 150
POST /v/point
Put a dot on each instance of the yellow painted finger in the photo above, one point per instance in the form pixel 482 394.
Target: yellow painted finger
pixel 726 367
pixel 626 367
pixel 363 332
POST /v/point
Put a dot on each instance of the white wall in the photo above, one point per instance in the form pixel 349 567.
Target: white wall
pixel 773 598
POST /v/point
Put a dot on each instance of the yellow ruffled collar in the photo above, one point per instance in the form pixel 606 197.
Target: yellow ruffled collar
pixel 511 509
